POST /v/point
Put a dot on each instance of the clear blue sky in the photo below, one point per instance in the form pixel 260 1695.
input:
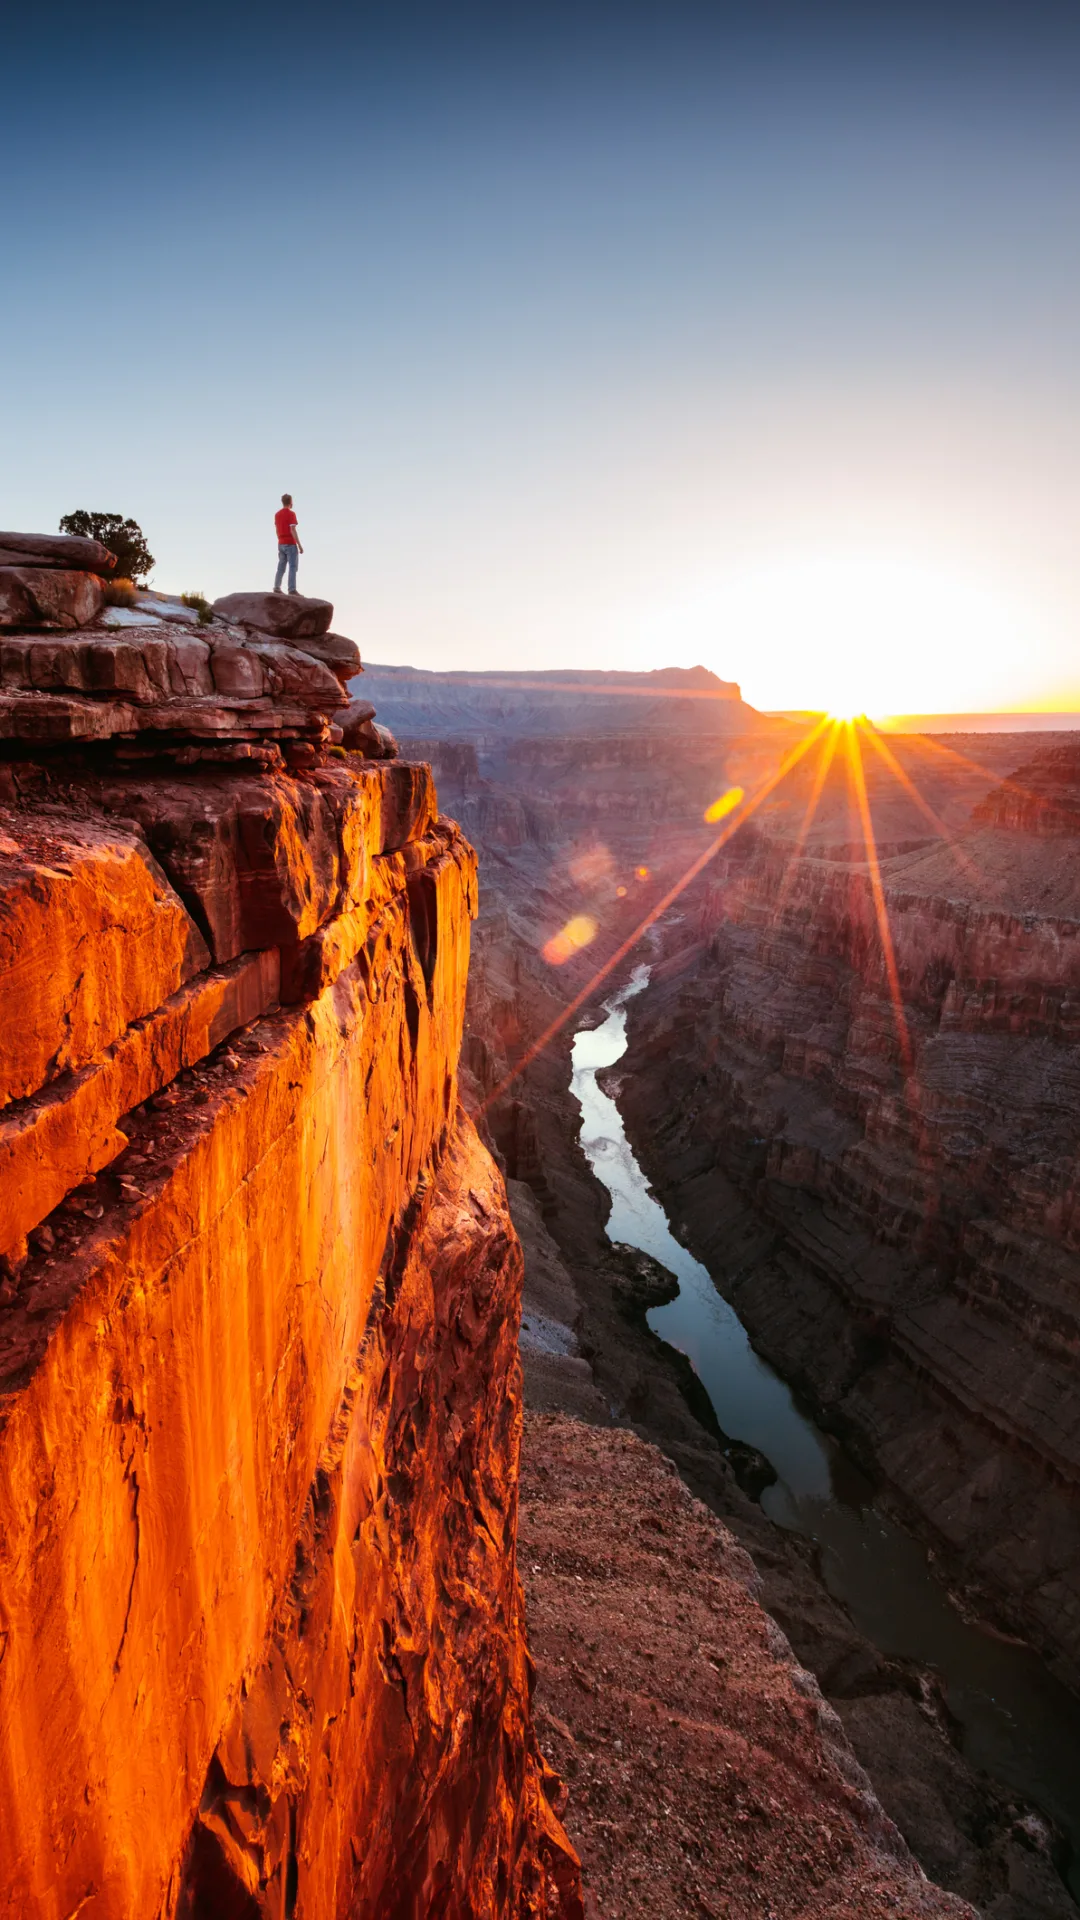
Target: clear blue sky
pixel 582 335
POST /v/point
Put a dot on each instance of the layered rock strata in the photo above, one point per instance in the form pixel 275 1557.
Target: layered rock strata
pixel 261 1636
pixel 910 1251
pixel 260 679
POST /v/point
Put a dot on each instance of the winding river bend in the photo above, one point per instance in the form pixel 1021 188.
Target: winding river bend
pixel 1017 1723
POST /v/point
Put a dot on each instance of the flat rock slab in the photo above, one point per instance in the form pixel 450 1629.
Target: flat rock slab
pixel 291 616
pixel 49 597
pixel 166 606
pixel 55 550
pixel 126 617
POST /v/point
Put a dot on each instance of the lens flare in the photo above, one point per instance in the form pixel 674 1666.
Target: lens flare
pixel 641 873
pixel 726 804
pixel 577 933
pixel 791 759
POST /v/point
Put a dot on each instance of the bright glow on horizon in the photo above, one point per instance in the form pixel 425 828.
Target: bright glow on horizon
pixel 867 632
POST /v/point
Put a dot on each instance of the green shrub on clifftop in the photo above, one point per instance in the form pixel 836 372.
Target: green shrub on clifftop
pixel 125 538
pixel 201 605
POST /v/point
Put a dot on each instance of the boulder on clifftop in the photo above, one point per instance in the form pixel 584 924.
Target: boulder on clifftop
pixel 361 732
pixel 48 597
pixel 289 616
pixel 55 550
pixel 342 656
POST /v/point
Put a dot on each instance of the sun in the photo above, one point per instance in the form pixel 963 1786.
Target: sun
pixel 807 625
pixel 845 715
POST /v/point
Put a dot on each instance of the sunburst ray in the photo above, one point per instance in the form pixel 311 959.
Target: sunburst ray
pixel 963 860
pixel 735 821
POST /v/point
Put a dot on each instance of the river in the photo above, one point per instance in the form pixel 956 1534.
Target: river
pixel 1017 1723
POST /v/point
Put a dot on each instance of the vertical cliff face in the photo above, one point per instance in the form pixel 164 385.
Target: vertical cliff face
pixel 261 1635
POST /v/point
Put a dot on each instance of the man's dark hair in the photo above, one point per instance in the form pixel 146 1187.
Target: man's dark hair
pixel 286 499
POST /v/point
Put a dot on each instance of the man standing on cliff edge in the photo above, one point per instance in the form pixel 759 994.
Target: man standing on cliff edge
pixel 288 548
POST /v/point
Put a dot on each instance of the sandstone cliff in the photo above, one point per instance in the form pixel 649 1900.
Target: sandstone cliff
pixel 261 1634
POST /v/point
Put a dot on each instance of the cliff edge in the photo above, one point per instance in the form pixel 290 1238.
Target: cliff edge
pixel 261 1634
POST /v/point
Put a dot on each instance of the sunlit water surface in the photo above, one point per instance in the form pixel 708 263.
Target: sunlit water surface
pixel 1017 1722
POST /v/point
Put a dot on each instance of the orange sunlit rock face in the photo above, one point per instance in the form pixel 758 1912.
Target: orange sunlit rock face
pixel 261 1636
pixel 91 936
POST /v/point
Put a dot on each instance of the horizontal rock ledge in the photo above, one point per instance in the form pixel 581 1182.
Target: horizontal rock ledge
pixel 55 550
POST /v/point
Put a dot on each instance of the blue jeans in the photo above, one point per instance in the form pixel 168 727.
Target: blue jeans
pixel 289 554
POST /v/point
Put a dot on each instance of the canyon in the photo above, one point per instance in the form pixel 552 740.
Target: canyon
pixel 901 1156
pixel 264 1644
pixel 765 1103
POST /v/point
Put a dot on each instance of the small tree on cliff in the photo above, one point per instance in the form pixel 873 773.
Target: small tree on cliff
pixel 125 538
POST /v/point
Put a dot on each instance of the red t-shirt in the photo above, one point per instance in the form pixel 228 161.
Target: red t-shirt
pixel 285 521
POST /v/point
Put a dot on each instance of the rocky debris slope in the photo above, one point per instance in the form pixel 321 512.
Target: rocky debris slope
pixel 706 1775
pixel 905 1244
pixel 261 1637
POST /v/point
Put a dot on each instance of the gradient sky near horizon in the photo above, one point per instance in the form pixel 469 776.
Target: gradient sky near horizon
pixel 584 336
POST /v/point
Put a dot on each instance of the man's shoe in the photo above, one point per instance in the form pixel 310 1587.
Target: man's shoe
pixel 279 589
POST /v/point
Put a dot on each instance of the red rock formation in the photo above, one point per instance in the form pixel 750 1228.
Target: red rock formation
pixel 261 1636
pixel 1042 797
pixel 288 614
pixel 65 550
pixel 48 597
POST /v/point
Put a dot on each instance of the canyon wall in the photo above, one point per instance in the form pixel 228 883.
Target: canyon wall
pixel 634 1812
pixel 889 1192
pixel 485 707
pixel 262 1643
